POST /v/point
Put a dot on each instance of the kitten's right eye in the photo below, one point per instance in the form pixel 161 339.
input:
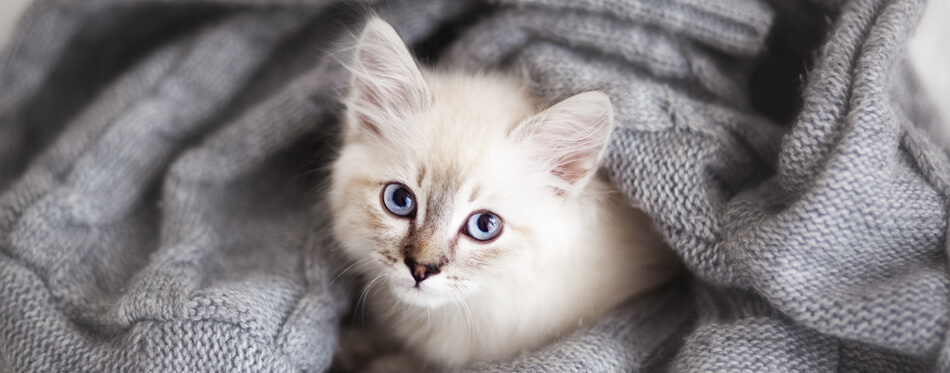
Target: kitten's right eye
pixel 399 200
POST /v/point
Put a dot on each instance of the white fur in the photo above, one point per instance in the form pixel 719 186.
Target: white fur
pixel 561 259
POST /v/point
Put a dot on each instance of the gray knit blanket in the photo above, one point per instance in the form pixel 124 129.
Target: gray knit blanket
pixel 161 162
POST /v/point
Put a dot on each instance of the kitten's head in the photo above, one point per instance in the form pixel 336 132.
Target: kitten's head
pixel 449 184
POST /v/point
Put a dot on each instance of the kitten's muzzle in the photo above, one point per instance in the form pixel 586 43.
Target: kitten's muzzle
pixel 421 271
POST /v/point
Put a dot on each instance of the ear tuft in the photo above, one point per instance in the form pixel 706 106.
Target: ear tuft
pixel 386 80
pixel 570 138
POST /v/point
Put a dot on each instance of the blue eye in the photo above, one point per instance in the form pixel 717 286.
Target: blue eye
pixel 399 200
pixel 483 226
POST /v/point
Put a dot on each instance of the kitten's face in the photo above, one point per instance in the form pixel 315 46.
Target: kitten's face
pixel 436 220
pixel 446 184
pixel 444 190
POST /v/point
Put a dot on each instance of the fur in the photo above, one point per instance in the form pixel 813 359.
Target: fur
pixel 570 248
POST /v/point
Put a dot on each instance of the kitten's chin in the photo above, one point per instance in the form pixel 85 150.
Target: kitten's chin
pixel 423 296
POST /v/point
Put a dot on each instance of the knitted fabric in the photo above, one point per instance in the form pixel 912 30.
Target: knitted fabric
pixel 161 165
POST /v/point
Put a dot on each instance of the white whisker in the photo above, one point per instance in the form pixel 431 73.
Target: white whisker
pixel 347 269
pixel 467 313
pixel 362 299
pixel 428 318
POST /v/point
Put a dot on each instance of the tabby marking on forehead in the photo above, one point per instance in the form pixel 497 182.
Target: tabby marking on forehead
pixel 474 194
pixel 422 175
pixel 440 199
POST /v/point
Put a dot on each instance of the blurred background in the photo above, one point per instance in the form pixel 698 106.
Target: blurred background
pixel 929 49
pixel 10 11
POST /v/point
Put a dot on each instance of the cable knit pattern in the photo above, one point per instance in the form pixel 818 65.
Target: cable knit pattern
pixel 161 165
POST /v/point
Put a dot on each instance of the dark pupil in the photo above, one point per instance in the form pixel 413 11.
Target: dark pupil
pixel 401 197
pixel 485 222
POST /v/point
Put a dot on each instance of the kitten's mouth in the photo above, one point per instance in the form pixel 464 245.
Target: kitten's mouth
pixel 417 294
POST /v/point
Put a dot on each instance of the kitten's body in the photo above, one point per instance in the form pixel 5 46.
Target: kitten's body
pixel 570 249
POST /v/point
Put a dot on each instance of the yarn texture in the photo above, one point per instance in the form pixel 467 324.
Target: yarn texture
pixel 161 164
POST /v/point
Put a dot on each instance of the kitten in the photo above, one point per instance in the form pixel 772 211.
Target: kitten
pixel 481 219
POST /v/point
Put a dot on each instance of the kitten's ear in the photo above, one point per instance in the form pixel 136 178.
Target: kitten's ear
pixel 386 80
pixel 570 138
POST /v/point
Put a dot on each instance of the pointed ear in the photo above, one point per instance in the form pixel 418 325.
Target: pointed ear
pixel 386 80
pixel 569 138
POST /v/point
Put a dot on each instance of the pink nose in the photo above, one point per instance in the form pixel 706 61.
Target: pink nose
pixel 421 271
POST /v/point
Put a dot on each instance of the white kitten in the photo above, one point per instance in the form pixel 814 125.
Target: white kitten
pixel 481 219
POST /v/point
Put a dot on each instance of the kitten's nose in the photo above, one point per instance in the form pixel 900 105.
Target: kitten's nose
pixel 421 271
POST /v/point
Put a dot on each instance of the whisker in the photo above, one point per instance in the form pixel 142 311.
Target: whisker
pixel 347 269
pixel 465 312
pixel 391 310
pixel 470 318
pixel 458 306
pixel 362 299
pixel 428 318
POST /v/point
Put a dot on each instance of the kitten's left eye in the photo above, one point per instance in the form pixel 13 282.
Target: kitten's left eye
pixel 399 200
pixel 483 226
